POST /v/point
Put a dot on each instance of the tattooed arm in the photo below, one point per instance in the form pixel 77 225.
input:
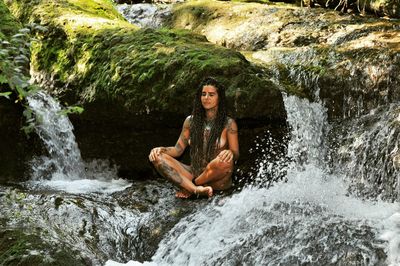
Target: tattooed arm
pixel 180 146
pixel 232 135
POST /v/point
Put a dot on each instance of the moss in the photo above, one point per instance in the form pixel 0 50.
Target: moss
pixel 141 69
pixel 257 1
pixel 70 11
pixel 8 24
pixel 20 248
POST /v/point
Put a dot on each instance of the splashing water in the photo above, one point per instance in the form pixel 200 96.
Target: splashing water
pixel 368 153
pixel 309 218
pixel 63 168
pixel 308 122
pixel 55 129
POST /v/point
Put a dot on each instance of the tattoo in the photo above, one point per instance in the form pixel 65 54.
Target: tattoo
pixel 178 146
pixel 186 125
pixel 230 129
pixel 169 172
pixel 183 141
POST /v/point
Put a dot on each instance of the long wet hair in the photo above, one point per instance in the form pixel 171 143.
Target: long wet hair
pixel 203 151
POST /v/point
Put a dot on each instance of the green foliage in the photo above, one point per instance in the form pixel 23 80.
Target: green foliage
pixel 72 110
pixel 14 63
pixel 14 72
pixel 14 69
pixel 6 94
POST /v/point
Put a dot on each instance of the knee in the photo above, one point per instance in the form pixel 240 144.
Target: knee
pixel 226 167
pixel 159 159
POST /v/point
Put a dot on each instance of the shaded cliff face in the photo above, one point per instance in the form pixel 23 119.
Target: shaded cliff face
pixel 13 141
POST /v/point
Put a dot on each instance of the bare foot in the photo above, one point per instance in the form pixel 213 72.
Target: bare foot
pixel 204 191
pixel 183 194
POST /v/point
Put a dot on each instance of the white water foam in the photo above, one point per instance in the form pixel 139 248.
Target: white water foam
pixel 55 129
pixel 212 234
pixel 260 226
pixel 83 185
pixel 63 168
pixel 391 234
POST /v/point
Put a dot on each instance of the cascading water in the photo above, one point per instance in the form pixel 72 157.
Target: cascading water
pixel 309 127
pixel 64 168
pixel 308 219
pixel 368 153
pixel 55 129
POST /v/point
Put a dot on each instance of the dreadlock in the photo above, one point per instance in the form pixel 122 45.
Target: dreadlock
pixel 202 151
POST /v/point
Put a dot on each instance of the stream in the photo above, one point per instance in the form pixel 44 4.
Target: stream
pixel 330 199
pixel 310 217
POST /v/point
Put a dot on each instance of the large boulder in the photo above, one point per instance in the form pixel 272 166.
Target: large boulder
pixel 137 85
pixel 349 61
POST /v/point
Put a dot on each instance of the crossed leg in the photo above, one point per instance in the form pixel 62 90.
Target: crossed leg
pixel 217 174
pixel 180 175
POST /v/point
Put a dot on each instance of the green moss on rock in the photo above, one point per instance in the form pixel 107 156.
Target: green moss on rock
pixel 109 60
pixel 119 72
pixel 20 248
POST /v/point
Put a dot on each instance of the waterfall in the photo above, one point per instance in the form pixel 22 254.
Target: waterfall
pixel 308 122
pixel 63 167
pixel 309 218
pixel 55 129
pixel 367 152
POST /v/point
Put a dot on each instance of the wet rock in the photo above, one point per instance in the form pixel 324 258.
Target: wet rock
pixel 92 227
pixel 145 15
pixel 348 61
pixel 137 86
pixel 365 150
pixel 28 248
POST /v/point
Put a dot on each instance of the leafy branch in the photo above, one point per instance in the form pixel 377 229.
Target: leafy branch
pixel 14 72
pixel 14 63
